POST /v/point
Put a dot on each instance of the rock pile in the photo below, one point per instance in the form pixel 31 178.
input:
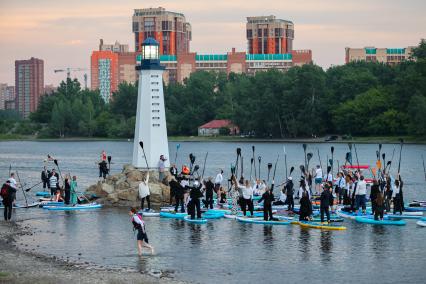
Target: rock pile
pixel 122 189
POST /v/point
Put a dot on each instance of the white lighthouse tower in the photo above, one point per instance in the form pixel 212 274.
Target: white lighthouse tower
pixel 150 115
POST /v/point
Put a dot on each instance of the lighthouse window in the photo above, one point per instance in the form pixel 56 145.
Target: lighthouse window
pixel 154 83
pixel 154 76
pixel 155 110
pixel 155 97
pixel 155 117
pixel 154 90
pixel 155 104
pixel 156 125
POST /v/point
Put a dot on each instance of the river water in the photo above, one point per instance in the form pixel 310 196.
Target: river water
pixel 223 250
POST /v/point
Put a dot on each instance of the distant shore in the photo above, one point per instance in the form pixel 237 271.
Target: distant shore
pixel 364 140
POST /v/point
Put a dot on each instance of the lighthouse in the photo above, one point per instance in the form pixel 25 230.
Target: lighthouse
pixel 150 125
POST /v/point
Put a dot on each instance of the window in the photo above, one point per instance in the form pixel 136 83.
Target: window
pixel 135 26
pixel 155 117
pixel 155 110
pixel 249 33
pixel 154 76
pixel 154 90
pixel 154 83
pixel 156 125
pixel 259 32
pixel 278 32
pixel 265 32
pixel 155 97
pixel 155 104
pixel 149 24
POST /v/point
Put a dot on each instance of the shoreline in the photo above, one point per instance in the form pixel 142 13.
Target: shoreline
pixel 231 139
pixel 19 266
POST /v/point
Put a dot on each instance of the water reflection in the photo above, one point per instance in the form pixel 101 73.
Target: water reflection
pixel 305 243
pixel 326 245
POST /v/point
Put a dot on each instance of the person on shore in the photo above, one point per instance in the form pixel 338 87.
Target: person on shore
pixel 289 191
pixel 142 237
pixel 218 181
pixel 267 198
pixel 318 179
pixel 178 193
pixel 379 206
pixel 103 169
pixel 161 168
pixel 45 177
pixel 8 194
pixel 67 189
pixel 103 156
pixel 360 193
pixel 209 187
pixel 194 203
pixel 305 207
pixel 396 196
pixel 326 201
pixel 73 190
pixel 374 191
pixel 247 197
pixel 173 170
pixel 144 192
pixel 53 181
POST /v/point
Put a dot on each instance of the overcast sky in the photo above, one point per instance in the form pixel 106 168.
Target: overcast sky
pixel 64 33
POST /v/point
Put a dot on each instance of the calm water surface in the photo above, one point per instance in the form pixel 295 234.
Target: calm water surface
pixel 223 250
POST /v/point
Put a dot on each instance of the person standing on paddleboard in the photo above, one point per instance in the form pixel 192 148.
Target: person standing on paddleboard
pixel 326 202
pixel 318 179
pixel 289 191
pixel 142 237
pixel 209 187
pixel 73 191
pixel 396 196
pixel 218 181
pixel 53 181
pixel 305 207
pixel 144 192
pixel 360 193
pixel 161 168
pixel 267 198
pixel 45 177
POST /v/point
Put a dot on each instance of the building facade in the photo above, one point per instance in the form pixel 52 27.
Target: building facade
pixel 29 84
pixel 169 29
pixel 116 47
pixel 269 35
pixel 10 97
pixel 104 73
pixel 3 88
pixel 383 55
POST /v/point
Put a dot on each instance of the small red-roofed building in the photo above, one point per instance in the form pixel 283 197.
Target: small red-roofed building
pixel 213 128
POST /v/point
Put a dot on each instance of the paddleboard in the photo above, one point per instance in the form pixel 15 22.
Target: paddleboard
pixel 415 209
pixel 76 207
pixel 42 193
pixel 421 223
pixel 173 215
pixel 397 217
pixel 380 222
pixel 195 221
pixel 149 213
pixel 261 221
pixel 22 206
pixel 319 225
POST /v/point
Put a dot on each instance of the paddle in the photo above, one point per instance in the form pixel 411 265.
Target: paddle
pixel 347 158
pixel 302 170
pixel 287 180
pixel 254 162
pixel 332 160
pixel 260 160
pixel 236 162
pixel 356 155
pixel 177 150
pixel 251 167
pixel 20 183
pixel 269 169
pixel 350 151
pixel 59 170
pixel 400 155
pixel 196 168
pixel 285 162
pixel 10 168
pixel 28 189
pixel 291 170
pixel 328 172
pixel 384 161
pixel 204 166
pixel 143 151
pixel 304 150
pixel 275 167
pixel 309 157
pixel 424 168
pixel 393 153
pixel 242 166
pixel 109 165
pixel 319 158
pixel 338 166
pixel 388 164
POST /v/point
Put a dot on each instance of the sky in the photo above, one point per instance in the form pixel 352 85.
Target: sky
pixel 64 33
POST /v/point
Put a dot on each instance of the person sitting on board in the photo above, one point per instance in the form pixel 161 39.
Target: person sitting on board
pixel 144 192
pixel 221 194
pixel 259 187
pixel 282 200
pixel 194 203
pixel 360 193
pixel 305 207
pixel 178 194
pixel 267 198
pixel 142 237
pixel 57 196
pixel 247 197
pixel 379 206
pixel 326 202
pixel 318 179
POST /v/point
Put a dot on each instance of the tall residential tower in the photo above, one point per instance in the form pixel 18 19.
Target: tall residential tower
pixel 169 29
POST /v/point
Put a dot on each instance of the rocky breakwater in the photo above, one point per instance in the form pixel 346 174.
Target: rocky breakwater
pixel 122 189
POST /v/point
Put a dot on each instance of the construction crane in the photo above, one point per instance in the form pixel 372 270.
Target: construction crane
pixel 70 69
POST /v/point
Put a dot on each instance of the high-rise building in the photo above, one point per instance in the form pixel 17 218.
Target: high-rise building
pixel 9 99
pixel 104 73
pixel 126 67
pixel 116 47
pixel 29 84
pixel 383 55
pixel 3 88
pixel 268 35
pixel 169 29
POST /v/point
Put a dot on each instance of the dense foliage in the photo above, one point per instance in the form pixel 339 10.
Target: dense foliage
pixel 360 98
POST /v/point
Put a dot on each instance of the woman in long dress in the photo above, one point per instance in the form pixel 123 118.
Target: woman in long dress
pixel 73 191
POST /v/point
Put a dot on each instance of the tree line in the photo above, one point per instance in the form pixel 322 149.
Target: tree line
pixel 359 98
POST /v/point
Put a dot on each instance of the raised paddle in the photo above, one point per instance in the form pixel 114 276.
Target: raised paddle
pixel 260 160
pixel 285 162
pixel 304 150
pixel 269 169
pixel 59 169
pixel 143 151
pixel 400 155
pixel 109 165
pixel 356 155
pixel 254 161
pixel 384 161
pixel 242 166
pixel 28 189
pixel 302 170
pixel 275 168
pixel 204 166
pixel 291 170
pixel 236 162
pixel 332 159
pixel 319 158
pixel 251 167
pixel 393 153
pixel 177 150
pixel 309 157
pixel 424 168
